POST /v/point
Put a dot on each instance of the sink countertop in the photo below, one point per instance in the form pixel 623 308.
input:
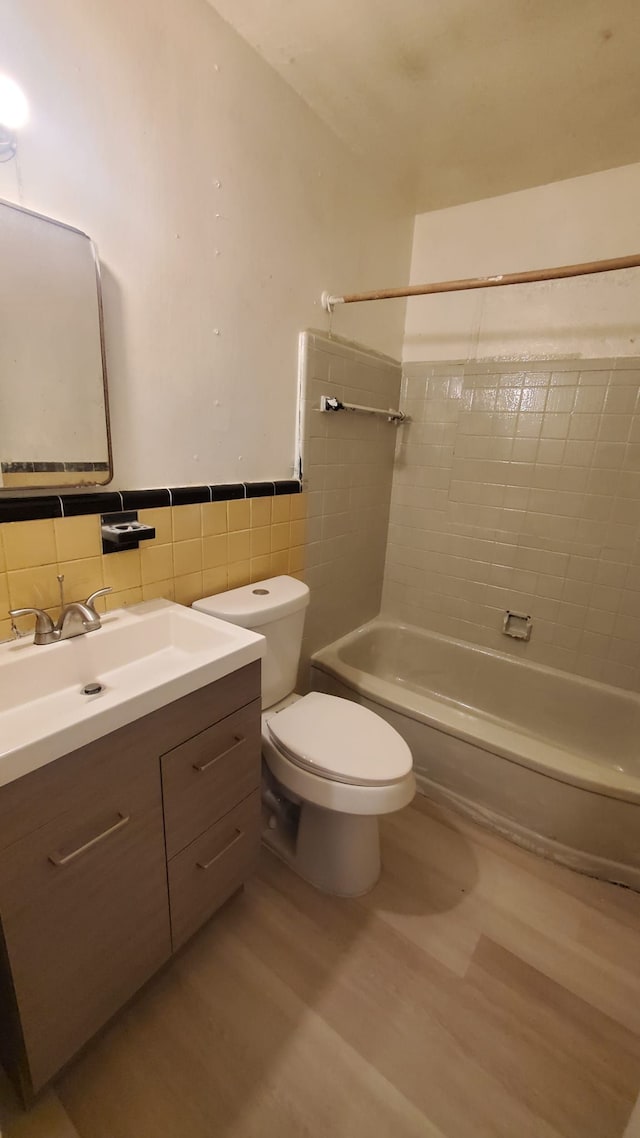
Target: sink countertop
pixel 145 656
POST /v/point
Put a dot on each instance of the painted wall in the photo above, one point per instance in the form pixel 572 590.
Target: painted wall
pixel 221 208
pixel 582 219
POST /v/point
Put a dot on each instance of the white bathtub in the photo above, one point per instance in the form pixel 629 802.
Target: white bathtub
pixel 548 759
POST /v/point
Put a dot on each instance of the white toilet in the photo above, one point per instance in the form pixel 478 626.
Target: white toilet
pixel 330 766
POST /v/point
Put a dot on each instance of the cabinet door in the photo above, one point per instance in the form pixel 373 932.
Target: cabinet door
pixel 85 921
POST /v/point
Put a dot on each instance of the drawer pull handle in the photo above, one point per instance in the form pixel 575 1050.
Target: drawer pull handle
pixel 207 864
pixel 237 740
pixel 64 859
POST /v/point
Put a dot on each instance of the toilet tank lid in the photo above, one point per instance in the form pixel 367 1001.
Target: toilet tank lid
pixel 254 605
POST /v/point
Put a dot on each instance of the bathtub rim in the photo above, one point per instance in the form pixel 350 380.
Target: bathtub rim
pixel 516 747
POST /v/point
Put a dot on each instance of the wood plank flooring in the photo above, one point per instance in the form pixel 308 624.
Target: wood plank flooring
pixel 478 992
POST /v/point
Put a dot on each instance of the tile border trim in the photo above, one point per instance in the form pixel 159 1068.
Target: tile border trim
pixel 33 507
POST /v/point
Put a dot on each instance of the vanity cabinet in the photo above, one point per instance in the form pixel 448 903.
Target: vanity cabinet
pixel 112 857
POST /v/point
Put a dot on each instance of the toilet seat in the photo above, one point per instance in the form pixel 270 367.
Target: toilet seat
pixel 341 741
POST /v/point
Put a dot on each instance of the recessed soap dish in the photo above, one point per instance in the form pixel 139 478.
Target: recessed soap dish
pixel 517 624
pixel 123 531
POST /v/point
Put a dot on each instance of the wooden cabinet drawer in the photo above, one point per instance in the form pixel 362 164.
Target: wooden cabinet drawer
pixel 85 922
pixel 205 777
pixel 71 786
pixel 207 872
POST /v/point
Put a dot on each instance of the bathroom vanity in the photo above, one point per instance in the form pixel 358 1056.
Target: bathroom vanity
pixel 113 855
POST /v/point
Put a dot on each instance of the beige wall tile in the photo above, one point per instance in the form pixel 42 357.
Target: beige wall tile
pixel 239 546
pixel 281 509
pixel 155 589
pixel 261 511
pixel 215 551
pixel 260 568
pixel 156 562
pixel 298 532
pixel 239 514
pixel 160 519
pixel 187 557
pixel 280 537
pixel 77 538
pixel 122 570
pixel 214 518
pixel 279 563
pixel 260 541
pixel 122 598
pixel 184 569
pixel 214 581
pixel 238 574
pixel 27 544
pixel 188 588
pixel 33 588
pixel 81 578
pixel 186 522
pixel 298 506
pixel 296 559
pixel 4 596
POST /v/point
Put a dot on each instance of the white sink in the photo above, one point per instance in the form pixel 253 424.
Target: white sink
pixel 144 657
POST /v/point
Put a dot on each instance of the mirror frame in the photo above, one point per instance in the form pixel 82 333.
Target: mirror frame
pixel 103 357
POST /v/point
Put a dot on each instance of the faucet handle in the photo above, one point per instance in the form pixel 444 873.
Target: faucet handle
pixel 94 596
pixel 44 623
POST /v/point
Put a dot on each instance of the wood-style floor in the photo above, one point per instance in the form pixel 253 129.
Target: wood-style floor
pixel 478 992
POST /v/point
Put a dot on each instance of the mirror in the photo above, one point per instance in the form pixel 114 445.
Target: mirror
pixel 54 418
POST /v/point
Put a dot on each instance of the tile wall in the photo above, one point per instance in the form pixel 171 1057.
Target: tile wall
pixel 198 550
pixel 348 469
pixel 518 486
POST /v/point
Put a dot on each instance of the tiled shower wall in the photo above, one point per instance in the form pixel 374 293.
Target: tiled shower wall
pixel 348 469
pixel 517 486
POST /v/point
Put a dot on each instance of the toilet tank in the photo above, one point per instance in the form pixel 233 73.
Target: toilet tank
pixel 275 608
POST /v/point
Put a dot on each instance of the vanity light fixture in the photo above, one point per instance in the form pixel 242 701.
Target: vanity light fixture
pixel 14 114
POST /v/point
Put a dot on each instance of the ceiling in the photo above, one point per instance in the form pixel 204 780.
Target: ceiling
pixel 463 98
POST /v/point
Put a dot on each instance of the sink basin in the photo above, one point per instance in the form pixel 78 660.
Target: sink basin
pixel 143 657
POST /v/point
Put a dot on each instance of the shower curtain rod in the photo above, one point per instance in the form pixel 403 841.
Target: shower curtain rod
pixel 582 270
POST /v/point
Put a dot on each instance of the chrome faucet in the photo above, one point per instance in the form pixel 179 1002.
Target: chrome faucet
pixel 75 619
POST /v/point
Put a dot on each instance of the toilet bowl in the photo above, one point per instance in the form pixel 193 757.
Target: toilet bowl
pixel 331 767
